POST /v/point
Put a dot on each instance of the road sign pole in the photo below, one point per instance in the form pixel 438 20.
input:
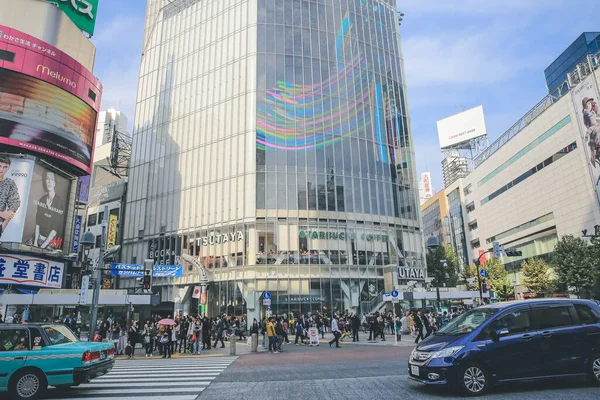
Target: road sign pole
pixel 394 322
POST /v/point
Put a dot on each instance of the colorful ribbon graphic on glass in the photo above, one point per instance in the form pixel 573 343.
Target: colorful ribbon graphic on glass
pixel 349 101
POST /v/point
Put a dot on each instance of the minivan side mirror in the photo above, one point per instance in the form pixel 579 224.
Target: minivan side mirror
pixel 499 333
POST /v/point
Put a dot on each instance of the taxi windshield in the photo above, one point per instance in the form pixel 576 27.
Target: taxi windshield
pixel 59 334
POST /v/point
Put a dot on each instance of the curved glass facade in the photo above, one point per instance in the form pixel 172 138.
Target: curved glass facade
pixel 290 169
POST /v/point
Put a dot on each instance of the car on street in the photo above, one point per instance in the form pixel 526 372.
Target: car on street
pixel 524 340
pixel 35 356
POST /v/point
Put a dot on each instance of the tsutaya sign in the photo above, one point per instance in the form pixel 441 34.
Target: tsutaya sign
pixel 81 12
pixel 217 238
pixel 342 236
pixel 411 273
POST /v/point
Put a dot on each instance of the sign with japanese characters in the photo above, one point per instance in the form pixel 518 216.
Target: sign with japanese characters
pixel 167 271
pixel 81 12
pixel 30 271
pixel 127 269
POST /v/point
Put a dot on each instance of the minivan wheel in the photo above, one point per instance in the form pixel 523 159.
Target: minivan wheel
pixel 594 369
pixel 473 380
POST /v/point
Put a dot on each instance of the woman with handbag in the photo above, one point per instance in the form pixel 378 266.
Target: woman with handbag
pixel 195 331
pixel 165 341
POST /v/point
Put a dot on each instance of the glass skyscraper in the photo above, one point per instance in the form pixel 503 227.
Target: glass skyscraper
pixel 272 141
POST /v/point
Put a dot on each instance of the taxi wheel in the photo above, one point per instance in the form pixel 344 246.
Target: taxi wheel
pixel 473 380
pixel 594 369
pixel 28 384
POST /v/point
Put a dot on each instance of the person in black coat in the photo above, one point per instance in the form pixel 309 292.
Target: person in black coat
pixel 417 316
pixel 355 327
pixel 206 328
pixel 426 325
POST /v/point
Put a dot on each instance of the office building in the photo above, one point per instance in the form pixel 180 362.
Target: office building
pixel 540 182
pixel 588 43
pixel 272 141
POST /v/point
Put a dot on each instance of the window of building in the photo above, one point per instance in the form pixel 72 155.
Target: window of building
pixel 473 225
pixel 520 228
pixel 557 156
pixel 100 217
pixel 468 189
pixel 91 220
pixel 475 244
pixel 470 207
pixel 98 239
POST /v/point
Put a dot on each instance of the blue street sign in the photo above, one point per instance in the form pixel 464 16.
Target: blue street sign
pixel 394 293
pixel 483 273
pixel 167 271
pixel 267 295
pixel 496 249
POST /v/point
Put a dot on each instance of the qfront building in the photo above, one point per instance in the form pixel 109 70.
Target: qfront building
pixel 272 142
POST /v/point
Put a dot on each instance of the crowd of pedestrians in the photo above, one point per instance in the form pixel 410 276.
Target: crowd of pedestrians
pixel 183 335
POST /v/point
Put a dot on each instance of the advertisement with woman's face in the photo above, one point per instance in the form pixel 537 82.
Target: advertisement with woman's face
pixel 585 98
pixel 46 209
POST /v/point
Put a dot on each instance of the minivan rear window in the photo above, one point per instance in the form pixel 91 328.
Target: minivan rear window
pixel 586 314
pixel 553 317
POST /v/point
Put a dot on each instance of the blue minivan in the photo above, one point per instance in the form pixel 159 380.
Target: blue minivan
pixel 512 341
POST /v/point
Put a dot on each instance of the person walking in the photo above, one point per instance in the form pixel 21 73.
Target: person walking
pixel 355 327
pixel 372 320
pixel 336 332
pixel 195 332
pixel 167 342
pixel 206 329
pixel 254 328
pixel 184 327
pixel 133 337
pixel 299 333
pixel 263 332
pixel 146 339
pixel 272 337
pixel 219 333
pixel 418 326
pixel 280 332
pixel 426 325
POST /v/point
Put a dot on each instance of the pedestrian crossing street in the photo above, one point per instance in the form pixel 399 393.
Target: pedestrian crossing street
pixel 169 379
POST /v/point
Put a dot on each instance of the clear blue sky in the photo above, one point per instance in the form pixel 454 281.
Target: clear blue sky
pixel 457 53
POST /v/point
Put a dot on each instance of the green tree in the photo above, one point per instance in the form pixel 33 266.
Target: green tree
pixel 538 277
pixel 498 278
pixel 576 264
pixel 436 267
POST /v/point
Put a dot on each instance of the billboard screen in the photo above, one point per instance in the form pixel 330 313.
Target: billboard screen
pixel 48 101
pixel 461 127
pixel 33 204
pixel 30 271
pixel 585 100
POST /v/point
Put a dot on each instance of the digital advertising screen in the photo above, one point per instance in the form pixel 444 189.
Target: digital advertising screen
pixel 48 101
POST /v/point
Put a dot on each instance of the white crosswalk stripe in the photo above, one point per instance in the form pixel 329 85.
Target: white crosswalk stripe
pixel 172 379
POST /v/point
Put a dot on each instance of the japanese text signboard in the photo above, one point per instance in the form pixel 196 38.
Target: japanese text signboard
pixel 137 270
pixel 30 271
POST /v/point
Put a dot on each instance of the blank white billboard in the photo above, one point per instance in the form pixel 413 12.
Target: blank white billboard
pixel 461 127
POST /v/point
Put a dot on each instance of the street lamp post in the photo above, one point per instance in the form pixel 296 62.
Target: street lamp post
pixel 432 244
pixel 203 276
pixel 87 241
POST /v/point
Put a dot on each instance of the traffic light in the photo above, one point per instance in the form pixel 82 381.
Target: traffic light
pixel 147 282
pixel 513 252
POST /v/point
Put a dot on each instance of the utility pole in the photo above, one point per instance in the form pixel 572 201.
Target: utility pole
pixel 98 276
pixel 203 278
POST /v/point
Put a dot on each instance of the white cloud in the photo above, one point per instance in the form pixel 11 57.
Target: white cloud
pixel 475 6
pixel 464 57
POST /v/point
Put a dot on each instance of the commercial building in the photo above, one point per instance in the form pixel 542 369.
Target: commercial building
pixel 588 43
pixel 539 181
pixel 272 141
pixel 436 221
pixel 49 100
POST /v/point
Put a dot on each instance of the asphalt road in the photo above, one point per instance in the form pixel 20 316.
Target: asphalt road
pixel 355 372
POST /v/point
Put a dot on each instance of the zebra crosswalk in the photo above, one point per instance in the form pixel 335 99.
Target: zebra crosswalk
pixel 169 379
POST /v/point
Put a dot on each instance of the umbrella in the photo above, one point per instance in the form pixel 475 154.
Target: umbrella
pixel 166 321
